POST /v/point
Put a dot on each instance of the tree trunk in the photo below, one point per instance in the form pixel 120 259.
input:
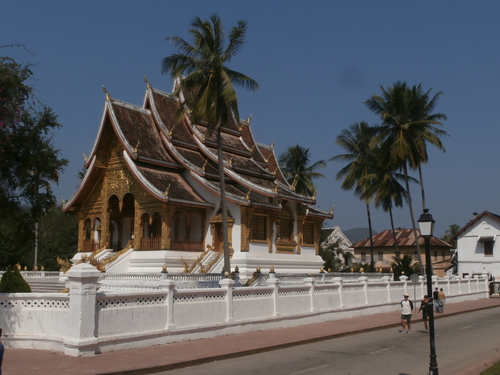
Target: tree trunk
pixel 393 231
pixel 422 186
pixel 410 205
pixel 371 237
pixel 223 202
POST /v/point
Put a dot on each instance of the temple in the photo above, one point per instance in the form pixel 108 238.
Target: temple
pixel 150 196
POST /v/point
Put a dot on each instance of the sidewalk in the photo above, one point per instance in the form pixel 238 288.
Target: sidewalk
pixel 167 357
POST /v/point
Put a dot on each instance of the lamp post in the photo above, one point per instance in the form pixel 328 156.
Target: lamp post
pixel 426 224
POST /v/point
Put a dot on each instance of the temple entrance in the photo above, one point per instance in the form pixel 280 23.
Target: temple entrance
pixel 121 221
pixel 216 229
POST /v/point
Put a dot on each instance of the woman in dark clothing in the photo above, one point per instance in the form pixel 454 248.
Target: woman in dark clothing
pixel 425 312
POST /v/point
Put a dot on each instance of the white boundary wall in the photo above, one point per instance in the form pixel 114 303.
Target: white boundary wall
pixel 85 322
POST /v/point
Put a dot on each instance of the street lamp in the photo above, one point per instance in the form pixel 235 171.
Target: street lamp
pixel 426 224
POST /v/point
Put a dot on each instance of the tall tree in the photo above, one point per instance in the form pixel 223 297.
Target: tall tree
pixel 430 133
pixel 208 88
pixel 384 188
pixel 404 133
pixel 295 165
pixel 356 141
pixel 450 233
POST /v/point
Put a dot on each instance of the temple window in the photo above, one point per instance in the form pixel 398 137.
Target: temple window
pixel 286 230
pixel 187 231
pixel 151 232
pixel 308 232
pixel 258 230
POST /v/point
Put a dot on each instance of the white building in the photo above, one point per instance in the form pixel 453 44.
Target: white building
pixel 477 249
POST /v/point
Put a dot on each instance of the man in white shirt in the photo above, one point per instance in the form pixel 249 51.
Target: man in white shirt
pixel 406 309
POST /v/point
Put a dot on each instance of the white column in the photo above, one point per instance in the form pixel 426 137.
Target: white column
pixel 274 283
pixel 168 286
pixel 387 280
pixel 404 279
pixel 309 281
pixel 364 280
pixel 227 284
pixel 338 281
pixel 80 333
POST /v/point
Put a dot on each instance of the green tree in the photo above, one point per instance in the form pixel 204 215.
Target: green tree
pixel 295 165
pixel 29 163
pixel 384 188
pixel 13 282
pixel 208 87
pixel 403 266
pixel 407 126
pixel 356 141
pixel 450 233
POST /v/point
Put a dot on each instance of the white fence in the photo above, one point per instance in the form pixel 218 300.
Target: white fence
pixel 85 322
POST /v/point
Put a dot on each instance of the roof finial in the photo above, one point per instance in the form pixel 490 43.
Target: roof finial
pixel 107 93
pixel 148 85
pixel 249 119
pixel 204 165
pixel 247 197
pixel 136 146
pixel 84 158
pixel 252 148
pixel 230 162
pixel 63 201
pixel 166 191
pixel 276 188
pixel 331 211
pixel 272 145
pixel 171 130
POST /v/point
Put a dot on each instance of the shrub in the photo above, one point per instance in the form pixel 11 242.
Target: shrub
pixel 13 282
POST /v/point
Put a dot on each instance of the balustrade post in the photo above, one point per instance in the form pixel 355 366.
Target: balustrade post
pixel 467 278
pixel 339 281
pixel 404 279
pixel 309 281
pixel 421 280
pixel 435 282
pixel 81 324
pixel 447 281
pixel 169 287
pixel 227 284
pixel 387 281
pixel 274 283
pixel 364 280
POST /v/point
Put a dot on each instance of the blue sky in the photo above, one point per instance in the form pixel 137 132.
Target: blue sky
pixel 316 62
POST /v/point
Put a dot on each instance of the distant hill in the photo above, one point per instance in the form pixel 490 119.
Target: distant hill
pixel 357 234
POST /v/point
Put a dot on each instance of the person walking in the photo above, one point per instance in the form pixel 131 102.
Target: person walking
pixel 424 305
pixel 406 309
pixel 435 298
pixel 441 300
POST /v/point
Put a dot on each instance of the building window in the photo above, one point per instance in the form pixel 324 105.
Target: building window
pixel 443 255
pixel 488 248
pixel 286 230
pixel 308 232
pixel 435 255
pixel 363 257
pixel 259 228
pixel 380 256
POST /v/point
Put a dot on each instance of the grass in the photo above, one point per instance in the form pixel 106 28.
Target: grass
pixel 493 370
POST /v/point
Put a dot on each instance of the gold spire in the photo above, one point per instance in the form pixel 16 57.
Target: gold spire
pixel 171 130
pixel 166 191
pixel 248 195
pixel 204 165
pixel 331 211
pixel 272 145
pixel 136 146
pixel 107 93
pixel 84 158
pixel 148 85
pixel 230 162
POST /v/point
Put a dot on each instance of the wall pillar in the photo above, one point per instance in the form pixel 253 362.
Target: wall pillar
pixel 274 283
pixel 81 339
pixel 228 284
pixel 309 281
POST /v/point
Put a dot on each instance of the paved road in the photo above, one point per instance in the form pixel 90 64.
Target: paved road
pixel 461 342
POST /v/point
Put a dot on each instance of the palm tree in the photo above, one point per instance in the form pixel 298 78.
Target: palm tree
pixel 294 164
pixel 356 141
pixel 208 88
pixel 384 188
pixel 407 125
pixel 404 266
pixel 430 133
pixel 450 233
